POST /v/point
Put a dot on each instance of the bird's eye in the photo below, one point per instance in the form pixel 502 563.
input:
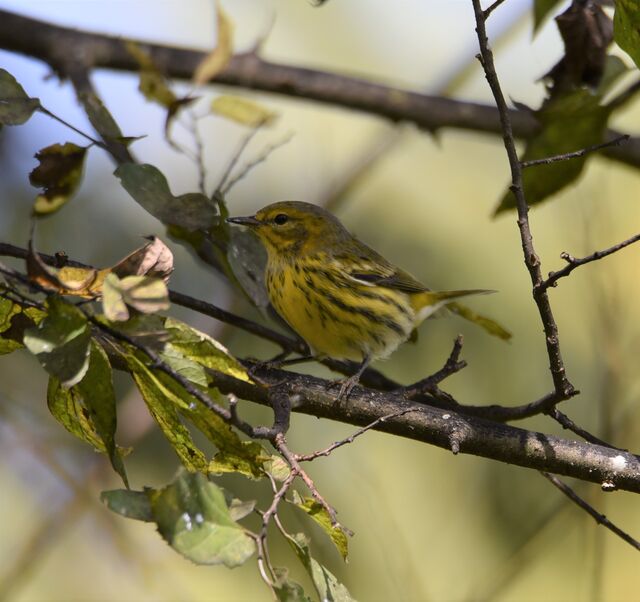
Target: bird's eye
pixel 280 219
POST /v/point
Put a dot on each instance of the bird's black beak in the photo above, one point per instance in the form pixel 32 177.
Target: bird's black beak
pixel 249 221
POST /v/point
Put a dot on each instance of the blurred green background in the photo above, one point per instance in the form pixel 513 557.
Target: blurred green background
pixel 429 526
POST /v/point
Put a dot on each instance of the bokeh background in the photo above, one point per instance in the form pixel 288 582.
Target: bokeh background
pixel 429 526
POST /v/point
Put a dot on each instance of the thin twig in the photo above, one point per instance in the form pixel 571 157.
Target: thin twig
pixel 327 451
pixel 575 154
pixel 263 156
pixel 235 158
pixel 430 383
pixel 573 262
pixel 562 385
pixel 601 519
pixel 570 425
pixel 491 8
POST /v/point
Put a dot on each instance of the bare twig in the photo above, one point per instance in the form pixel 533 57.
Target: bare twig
pixel 570 425
pixel 263 156
pixel 430 383
pixel 491 8
pixel 573 262
pixel 244 142
pixel 601 519
pixel 575 154
pixel 327 451
pixel 563 387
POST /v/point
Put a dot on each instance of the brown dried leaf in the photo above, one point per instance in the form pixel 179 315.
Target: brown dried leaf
pixel 587 32
pixel 153 259
pixel 217 59
pixel 243 111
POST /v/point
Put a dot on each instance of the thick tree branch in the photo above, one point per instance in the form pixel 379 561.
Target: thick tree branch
pixel 445 428
pixel 57 46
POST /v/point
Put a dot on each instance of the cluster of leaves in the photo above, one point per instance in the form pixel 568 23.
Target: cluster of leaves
pixel 575 115
pixel 71 341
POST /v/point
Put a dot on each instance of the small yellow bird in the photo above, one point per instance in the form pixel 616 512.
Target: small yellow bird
pixel 342 297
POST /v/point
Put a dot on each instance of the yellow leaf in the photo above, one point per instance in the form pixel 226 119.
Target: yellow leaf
pixel 243 111
pixel 217 59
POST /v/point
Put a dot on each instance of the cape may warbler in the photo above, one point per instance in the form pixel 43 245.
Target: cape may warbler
pixel 344 299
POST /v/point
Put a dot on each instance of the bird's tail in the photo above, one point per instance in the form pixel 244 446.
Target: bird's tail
pixel 427 303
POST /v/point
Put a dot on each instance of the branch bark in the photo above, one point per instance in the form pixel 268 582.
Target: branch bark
pixel 57 46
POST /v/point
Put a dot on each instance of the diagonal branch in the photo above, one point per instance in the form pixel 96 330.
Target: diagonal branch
pixel 51 44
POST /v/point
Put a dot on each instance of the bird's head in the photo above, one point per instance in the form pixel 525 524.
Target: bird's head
pixel 294 227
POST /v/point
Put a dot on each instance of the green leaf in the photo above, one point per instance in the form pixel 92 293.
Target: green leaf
pixel 319 514
pixel 541 8
pixel 570 122
pixel 277 468
pixel 68 408
pixel 626 28
pixel 96 390
pixel 247 259
pixel 326 584
pixel 15 106
pixel 148 186
pixel 59 174
pixel 163 403
pixel 193 517
pixel 242 111
pixel 203 349
pixel 287 590
pixel 100 117
pixel 61 342
pixel 131 504
pixel 14 321
pixel 145 294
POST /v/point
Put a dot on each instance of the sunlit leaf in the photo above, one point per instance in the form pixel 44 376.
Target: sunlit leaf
pixel 61 342
pixel 15 106
pixel 277 468
pixel 217 59
pixel 319 514
pixel 491 326
pixel 626 28
pixel 147 185
pixel 243 111
pixel 14 321
pixel 203 349
pixel 59 174
pixel 96 390
pixel 163 404
pixel 68 408
pixel 153 84
pixel 193 517
pixel 142 293
pixel 326 584
pixel 131 504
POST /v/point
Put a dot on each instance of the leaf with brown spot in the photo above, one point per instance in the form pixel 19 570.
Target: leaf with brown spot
pixel 59 174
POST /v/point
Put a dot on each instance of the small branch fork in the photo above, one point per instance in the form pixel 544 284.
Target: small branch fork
pixel 573 262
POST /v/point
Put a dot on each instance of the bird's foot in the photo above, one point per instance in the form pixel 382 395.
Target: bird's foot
pixel 346 386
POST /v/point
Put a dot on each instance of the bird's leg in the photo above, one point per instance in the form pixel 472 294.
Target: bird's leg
pixel 347 384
